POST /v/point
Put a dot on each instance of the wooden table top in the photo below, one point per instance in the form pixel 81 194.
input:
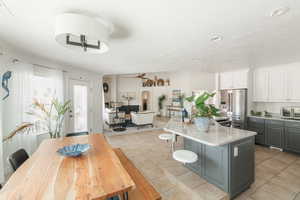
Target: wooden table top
pixel 98 174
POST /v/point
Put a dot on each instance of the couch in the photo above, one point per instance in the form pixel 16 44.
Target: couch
pixel 142 118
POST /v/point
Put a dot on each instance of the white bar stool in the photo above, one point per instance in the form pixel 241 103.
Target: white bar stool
pixel 166 136
pixel 185 156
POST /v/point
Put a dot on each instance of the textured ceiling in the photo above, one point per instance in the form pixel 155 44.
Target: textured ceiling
pixel 161 35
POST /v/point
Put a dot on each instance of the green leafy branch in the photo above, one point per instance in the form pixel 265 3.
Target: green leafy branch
pixel 203 109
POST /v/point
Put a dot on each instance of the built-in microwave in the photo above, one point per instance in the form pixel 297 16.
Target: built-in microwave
pixel 290 112
pixel 286 112
pixel 296 112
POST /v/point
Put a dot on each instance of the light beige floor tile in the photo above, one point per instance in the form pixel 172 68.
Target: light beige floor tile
pixel 274 191
pixel 191 180
pixel 175 194
pixel 287 182
pixel 259 182
pixel 209 192
pixel 275 164
pixel 243 196
pixel 177 170
pixel 163 184
pixel 287 158
pixel 152 174
pixel 264 172
pixel 294 169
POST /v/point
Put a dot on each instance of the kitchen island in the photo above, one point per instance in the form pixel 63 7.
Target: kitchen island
pixel 225 155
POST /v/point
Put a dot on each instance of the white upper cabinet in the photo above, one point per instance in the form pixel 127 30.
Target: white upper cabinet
pixel 260 85
pixel 277 84
pixel 226 80
pixel 234 79
pixel 240 79
pixel 293 84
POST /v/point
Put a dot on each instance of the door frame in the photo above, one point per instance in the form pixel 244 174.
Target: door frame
pixel 68 96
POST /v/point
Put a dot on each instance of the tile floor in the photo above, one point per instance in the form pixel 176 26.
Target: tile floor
pixel 277 173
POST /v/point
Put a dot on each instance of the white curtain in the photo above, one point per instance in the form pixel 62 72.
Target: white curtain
pixel 1 129
pixel 15 108
pixel 25 84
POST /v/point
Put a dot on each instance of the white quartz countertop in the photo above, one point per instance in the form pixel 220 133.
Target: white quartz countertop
pixel 275 118
pixel 217 136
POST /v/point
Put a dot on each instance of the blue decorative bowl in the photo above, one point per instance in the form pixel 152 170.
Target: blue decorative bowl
pixel 74 150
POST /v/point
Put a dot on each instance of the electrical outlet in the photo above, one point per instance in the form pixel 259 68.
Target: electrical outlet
pixel 235 151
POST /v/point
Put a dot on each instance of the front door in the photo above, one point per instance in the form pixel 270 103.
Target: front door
pixel 79 113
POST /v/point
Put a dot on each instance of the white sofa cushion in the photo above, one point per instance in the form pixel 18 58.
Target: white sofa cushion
pixel 142 118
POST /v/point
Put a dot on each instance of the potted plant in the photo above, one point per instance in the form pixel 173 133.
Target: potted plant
pixel 203 112
pixel 51 117
pixel 161 100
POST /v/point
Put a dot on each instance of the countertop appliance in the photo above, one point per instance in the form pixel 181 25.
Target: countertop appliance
pixel 234 103
pixel 290 112
pixel 223 121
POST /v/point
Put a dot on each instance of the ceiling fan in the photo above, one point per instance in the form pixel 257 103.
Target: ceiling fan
pixel 141 76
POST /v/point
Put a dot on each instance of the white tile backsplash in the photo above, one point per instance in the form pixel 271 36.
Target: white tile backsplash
pixel 271 107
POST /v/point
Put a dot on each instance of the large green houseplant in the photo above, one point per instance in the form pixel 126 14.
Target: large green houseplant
pixel 203 111
pixel 161 100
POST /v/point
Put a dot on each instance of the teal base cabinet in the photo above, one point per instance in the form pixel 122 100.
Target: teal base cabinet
pixel 257 125
pixel 274 131
pixel 230 167
pixel 292 137
pixel 283 134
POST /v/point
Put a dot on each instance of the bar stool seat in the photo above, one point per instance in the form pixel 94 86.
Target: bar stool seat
pixel 185 156
pixel 165 136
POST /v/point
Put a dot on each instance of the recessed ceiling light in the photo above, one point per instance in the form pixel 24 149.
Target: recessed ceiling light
pixel 216 38
pixel 279 12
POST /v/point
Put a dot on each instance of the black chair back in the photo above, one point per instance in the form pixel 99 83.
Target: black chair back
pixel 76 134
pixel 18 158
pixel 129 108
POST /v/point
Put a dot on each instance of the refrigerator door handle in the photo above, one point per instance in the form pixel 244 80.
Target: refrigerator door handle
pixel 229 102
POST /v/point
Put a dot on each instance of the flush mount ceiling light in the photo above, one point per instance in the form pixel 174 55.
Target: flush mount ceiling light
pixel 216 38
pixel 83 33
pixel 279 12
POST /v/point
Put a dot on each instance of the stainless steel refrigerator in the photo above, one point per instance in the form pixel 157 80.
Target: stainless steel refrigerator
pixel 234 104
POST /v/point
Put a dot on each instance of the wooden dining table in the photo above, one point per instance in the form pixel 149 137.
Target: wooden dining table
pixel 97 174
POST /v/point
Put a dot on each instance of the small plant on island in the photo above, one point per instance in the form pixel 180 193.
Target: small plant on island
pixel 203 112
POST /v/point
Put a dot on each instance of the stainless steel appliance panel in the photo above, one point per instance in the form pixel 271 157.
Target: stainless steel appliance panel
pixel 239 102
pixel 234 103
pixel 287 112
pixel 296 112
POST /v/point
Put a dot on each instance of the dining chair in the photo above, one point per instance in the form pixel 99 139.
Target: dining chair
pixel 114 198
pixel 18 158
pixel 76 134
